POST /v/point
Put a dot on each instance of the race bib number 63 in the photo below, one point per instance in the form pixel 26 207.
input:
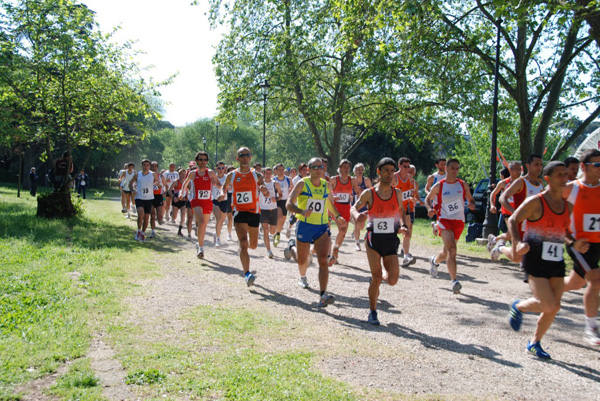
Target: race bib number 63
pixel 383 225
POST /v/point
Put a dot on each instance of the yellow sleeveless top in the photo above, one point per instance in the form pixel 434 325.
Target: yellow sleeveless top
pixel 313 198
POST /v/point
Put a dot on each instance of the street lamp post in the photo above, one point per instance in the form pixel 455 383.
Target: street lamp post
pixel 265 92
pixel 204 142
pixel 490 225
pixel 217 143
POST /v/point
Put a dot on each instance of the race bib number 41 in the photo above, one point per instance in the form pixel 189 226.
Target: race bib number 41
pixel 383 225
pixel 552 251
pixel 243 198
pixel 591 223
pixel 315 205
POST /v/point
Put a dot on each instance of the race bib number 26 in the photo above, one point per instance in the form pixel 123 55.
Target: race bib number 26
pixel 243 198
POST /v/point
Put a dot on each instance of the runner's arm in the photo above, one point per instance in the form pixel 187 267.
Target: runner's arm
pixel 403 227
pixel 339 220
pixel 215 179
pixel 530 209
pixel 291 206
pixel 499 187
pixel 430 196
pixel 506 195
pixel 469 197
pixel 188 179
pixel 580 245
pixel 226 183
pixel 133 179
pixel 364 199
pixel 429 184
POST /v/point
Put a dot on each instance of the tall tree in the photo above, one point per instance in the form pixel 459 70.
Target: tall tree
pixel 548 62
pixel 328 61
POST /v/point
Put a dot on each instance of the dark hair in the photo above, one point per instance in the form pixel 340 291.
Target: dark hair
pixel 441 159
pixel 130 164
pixel 571 160
pixel 313 160
pixel 220 162
pixel 146 161
pixel 505 173
pixel 201 153
pixel 278 165
pixel 301 166
pixel 403 160
pixel 385 161
pixel 344 161
pixel 257 165
pixel 531 157
pixel 587 155
pixel 550 167
pixel 449 162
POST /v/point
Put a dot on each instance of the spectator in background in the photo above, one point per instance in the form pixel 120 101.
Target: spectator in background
pixel 82 181
pixel 572 164
pixel 33 177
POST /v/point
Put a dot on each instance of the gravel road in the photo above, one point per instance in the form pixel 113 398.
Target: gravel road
pixel 430 342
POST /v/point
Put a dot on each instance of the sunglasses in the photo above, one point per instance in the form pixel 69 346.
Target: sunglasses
pixel 220 168
pixel 595 164
pixel 321 167
pixel 243 154
pixel 202 160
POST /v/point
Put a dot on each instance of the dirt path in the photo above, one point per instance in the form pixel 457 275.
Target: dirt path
pixel 431 341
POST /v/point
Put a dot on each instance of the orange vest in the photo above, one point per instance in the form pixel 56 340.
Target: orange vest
pixel 408 189
pixel 245 191
pixel 585 218
pixel 344 190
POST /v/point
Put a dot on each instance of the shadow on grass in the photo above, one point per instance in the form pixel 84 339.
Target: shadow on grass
pixel 19 221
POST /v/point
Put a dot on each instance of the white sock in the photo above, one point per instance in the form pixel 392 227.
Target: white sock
pixel 591 322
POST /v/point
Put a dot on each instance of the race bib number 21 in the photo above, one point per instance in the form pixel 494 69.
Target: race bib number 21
pixel 591 223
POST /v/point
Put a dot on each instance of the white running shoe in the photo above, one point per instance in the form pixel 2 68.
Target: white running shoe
pixel 199 252
pixel 325 300
pixel 229 237
pixel 218 243
pixel 456 287
pixel 591 336
pixel 491 242
pixel 303 282
pixel 137 236
pixel 270 254
pixel 495 252
pixel 152 234
pixel 357 247
pixel 288 233
pixel 408 260
pixel 433 267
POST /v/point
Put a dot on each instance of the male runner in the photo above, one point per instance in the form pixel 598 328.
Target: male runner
pixel 541 251
pixel 124 181
pixel 314 202
pixel 450 194
pixel 385 214
pixel 268 208
pixel 179 201
pixel 341 191
pixel 157 213
pixel 258 168
pixel 146 180
pixel 202 179
pixel 404 182
pixel 285 184
pixel 572 164
pixel 220 209
pixel 514 169
pixel 522 188
pixel 169 177
pixel 584 195
pixel 246 184
pixel 122 187
pixel 433 179
pixel 359 184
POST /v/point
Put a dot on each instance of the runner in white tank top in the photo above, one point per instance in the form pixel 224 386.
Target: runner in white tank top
pixel 268 209
pixel 285 183
pixel 451 194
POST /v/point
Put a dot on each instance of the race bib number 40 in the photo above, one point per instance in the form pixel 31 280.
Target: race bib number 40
pixel 315 205
pixel 204 194
pixel 552 251
pixel 383 225
pixel 243 198
pixel 591 223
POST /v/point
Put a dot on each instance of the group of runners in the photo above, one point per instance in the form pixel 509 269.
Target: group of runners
pixel 537 221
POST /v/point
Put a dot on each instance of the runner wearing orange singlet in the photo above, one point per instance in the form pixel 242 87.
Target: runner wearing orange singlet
pixel 584 194
pixel 246 211
pixel 341 191
pixel 541 253
pixel 404 182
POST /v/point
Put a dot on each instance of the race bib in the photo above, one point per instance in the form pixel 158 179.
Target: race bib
pixel 452 207
pixel 145 191
pixel 243 198
pixel 383 225
pixel 82 182
pixel 406 195
pixel 552 251
pixel 203 194
pixel 268 200
pixel 315 205
pixel 591 223
pixel 343 197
